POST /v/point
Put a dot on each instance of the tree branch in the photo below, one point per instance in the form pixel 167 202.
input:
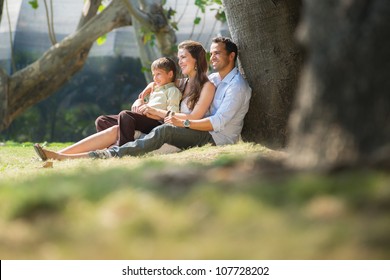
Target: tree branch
pixel 89 11
pixel 139 15
pixel 50 31
pixel 41 78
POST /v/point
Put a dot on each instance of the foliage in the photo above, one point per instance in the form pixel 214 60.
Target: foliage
pixel 34 4
pixel 203 203
pixel 216 6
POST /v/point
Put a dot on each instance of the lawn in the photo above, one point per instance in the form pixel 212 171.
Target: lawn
pixel 230 202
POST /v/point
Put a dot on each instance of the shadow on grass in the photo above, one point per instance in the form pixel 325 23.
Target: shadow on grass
pixel 230 209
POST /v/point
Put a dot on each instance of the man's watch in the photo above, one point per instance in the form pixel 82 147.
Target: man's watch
pixel 186 123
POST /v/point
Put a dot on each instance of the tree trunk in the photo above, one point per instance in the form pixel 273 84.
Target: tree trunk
pixel 270 58
pixel 3 98
pixel 149 16
pixel 1 8
pixel 147 52
pixel 342 115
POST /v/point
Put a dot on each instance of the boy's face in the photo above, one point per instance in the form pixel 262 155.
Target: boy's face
pixel 161 77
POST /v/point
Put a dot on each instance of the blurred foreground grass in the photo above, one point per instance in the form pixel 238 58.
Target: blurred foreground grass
pixel 204 203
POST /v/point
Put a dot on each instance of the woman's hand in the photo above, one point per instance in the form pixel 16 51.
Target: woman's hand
pixel 171 119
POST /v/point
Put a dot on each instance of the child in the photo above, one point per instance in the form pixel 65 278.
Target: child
pixel 164 98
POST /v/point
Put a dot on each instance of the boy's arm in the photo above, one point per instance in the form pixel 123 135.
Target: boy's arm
pixel 136 105
pixel 173 96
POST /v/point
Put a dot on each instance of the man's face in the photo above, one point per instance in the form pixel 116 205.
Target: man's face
pixel 219 59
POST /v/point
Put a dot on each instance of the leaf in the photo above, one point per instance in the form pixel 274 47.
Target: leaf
pixel 145 69
pixel 174 25
pixel 221 16
pixel 34 4
pixel 197 20
pixel 101 8
pixel 101 40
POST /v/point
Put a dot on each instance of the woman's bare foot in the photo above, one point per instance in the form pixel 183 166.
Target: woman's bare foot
pixel 53 155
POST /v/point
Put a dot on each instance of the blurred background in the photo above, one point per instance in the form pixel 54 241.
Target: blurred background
pixel 111 78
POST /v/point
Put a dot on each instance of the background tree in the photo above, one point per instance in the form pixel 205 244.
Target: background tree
pixel 1 8
pixel 342 115
pixel 42 78
pixel 271 59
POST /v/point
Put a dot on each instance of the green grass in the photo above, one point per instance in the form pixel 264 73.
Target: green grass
pixel 203 203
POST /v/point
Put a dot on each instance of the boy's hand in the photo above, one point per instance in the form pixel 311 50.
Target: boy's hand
pixel 136 105
pixel 145 109
pixel 148 111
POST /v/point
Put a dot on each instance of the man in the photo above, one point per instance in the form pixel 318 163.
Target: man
pixel 223 126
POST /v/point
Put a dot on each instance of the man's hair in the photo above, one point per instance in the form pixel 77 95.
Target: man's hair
pixel 166 64
pixel 230 46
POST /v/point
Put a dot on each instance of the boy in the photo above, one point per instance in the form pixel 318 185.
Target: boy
pixel 164 98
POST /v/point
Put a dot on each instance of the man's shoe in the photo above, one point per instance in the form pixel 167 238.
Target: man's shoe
pixel 101 154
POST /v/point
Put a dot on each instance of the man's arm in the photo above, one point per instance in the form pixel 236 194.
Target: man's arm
pixel 202 124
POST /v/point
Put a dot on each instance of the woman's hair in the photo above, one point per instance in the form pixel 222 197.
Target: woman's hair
pixel 198 52
pixel 166 64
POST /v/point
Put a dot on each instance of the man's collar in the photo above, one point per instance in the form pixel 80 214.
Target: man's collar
pixel 230 75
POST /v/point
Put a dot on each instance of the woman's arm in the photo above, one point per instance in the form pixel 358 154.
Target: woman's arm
pixel 203 104
pixel 148 90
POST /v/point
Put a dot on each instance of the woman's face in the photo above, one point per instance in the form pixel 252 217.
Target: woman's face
pixel 186 63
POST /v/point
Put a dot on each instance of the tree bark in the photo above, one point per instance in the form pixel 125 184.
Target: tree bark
pixel 148 15
pixel 1 8
pixel 3 98
pixel 271 60
pixel 342 114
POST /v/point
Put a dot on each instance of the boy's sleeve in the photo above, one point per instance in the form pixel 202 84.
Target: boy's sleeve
pixel 173 99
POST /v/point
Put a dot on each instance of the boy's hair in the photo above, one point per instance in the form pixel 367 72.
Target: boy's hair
pixel 166 64
pixel 230 46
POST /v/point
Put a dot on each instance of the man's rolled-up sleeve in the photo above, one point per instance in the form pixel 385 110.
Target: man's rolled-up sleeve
pixel 228 105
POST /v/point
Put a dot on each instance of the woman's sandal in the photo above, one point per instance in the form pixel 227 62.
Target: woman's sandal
pixel 38 149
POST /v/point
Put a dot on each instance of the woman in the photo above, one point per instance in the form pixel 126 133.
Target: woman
pixel 198 93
